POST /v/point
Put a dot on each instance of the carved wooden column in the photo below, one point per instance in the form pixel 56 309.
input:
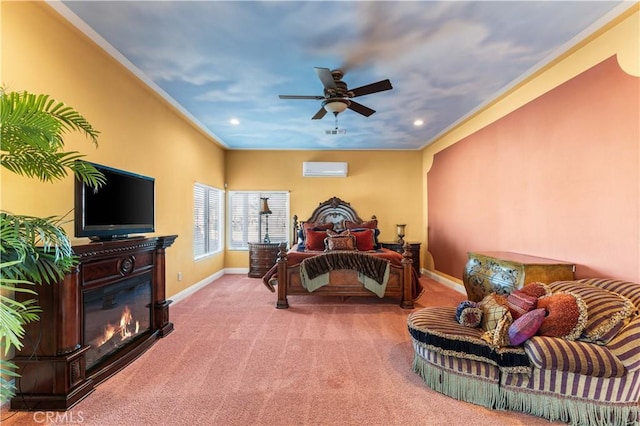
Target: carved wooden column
pixel 161 305
pixel 407 274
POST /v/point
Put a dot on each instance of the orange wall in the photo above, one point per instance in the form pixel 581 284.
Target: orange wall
pixel 140 132
pixel 557 178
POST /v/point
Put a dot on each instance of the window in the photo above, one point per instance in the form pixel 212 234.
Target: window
pixel 247 225
pixel 207 220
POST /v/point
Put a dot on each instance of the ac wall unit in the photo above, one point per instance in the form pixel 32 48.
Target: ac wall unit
pixel 324 169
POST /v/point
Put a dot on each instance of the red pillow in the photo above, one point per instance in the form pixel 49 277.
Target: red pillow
pixel 315 240
pixel 372 224
pixel 364 239
pixel 306 226
pixel 566 315
pixel 519 303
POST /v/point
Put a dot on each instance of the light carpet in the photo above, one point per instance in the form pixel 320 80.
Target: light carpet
pixel 234 359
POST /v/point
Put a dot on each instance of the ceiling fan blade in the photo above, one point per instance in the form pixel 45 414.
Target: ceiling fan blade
pixel 325 76
pixel 300 97
pixel 321 113
pixel 380 86
pixel 361 109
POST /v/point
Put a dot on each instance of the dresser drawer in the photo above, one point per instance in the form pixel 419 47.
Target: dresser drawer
pixel 504 272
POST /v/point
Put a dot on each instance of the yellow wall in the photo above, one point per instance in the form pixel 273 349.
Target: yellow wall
pixel 621 37
pixel 382 183
pixel 140 132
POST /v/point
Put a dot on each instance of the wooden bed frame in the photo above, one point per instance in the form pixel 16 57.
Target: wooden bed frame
pixel 345 282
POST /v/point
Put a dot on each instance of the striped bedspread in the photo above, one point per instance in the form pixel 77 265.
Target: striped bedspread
pixel 314 270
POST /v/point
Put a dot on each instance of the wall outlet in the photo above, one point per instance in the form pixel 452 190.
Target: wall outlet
pixel 179 276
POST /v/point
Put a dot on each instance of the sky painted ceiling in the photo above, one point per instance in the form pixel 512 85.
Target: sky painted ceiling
pixel 224 63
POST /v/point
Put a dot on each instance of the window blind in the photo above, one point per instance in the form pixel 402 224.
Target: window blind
pixel 247 225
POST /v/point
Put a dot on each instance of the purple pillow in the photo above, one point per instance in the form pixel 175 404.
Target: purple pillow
pixel 526 326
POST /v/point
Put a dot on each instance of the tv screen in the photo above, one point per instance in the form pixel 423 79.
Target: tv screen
pixel 124 205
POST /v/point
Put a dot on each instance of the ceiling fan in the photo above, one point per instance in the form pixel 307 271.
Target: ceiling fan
pixel 337 97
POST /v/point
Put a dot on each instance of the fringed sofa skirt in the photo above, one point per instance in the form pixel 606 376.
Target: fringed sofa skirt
pixel 453 359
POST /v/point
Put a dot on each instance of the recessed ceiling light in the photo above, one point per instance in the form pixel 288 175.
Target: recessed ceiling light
pixel 234 121
pixel 418 122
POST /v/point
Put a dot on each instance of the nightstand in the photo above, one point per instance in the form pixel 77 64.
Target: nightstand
pixel 262 256
pixel 415 251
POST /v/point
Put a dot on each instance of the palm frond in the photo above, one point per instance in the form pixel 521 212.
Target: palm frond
pixel 31 138
pixel 39 245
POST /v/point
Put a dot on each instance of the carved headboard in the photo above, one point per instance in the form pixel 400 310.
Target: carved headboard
pixel 334 210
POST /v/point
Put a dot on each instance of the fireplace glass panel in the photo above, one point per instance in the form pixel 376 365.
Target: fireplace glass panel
pixel 114 315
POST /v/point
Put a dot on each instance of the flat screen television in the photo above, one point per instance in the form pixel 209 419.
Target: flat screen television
pixel 124 205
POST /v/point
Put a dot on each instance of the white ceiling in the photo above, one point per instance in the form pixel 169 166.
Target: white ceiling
pixel 224 60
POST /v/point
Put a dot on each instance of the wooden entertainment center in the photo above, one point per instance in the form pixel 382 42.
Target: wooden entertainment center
pixel 52 364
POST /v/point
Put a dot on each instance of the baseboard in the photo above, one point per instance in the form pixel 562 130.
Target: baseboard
pixel 450 282
pixel 178 297
pixel 236 270
pixel 205 282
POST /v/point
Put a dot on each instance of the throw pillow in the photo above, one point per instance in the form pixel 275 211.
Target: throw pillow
pixel 526 326
pixel 469 314
pixel 566 315
pixel 332 233
pixel 306 226
pixel 499 336
pixel 607 311
pixel 364 239
pixel 340 242
pixel 520 303
pixel 315 240
pixel 536 289
pixel 493 309
pixel 371 224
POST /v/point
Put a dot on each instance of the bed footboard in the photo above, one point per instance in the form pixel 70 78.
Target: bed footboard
pixel 345 283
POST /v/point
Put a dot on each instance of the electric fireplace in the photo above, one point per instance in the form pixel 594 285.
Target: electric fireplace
pixel 105 313
pixel 114 316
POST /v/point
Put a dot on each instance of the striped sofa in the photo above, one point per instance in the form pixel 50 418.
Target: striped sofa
pixel 573 381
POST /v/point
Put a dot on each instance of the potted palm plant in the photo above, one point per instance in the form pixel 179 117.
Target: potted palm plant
pixel 34 250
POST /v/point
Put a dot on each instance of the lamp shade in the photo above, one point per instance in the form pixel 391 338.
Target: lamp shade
pixel 264 207
pixel 336 106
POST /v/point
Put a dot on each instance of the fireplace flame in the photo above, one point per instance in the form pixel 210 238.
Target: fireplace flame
pixel 124 328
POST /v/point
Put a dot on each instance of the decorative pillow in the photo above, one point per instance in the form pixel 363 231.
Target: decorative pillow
pixel 364 239
pixel 372 224
pixel 306 226
pixel 499 336
pixel 493 309
pixel 301 239
pixel 526 326
pixel 469 314
pixel 520 303
pixel 315 240
pixel 332 233
pixel 340 242
pixel 566 315
pixel 536 289
pixel 608 312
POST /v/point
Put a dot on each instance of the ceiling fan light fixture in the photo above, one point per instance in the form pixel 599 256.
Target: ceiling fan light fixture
pixel 336 106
